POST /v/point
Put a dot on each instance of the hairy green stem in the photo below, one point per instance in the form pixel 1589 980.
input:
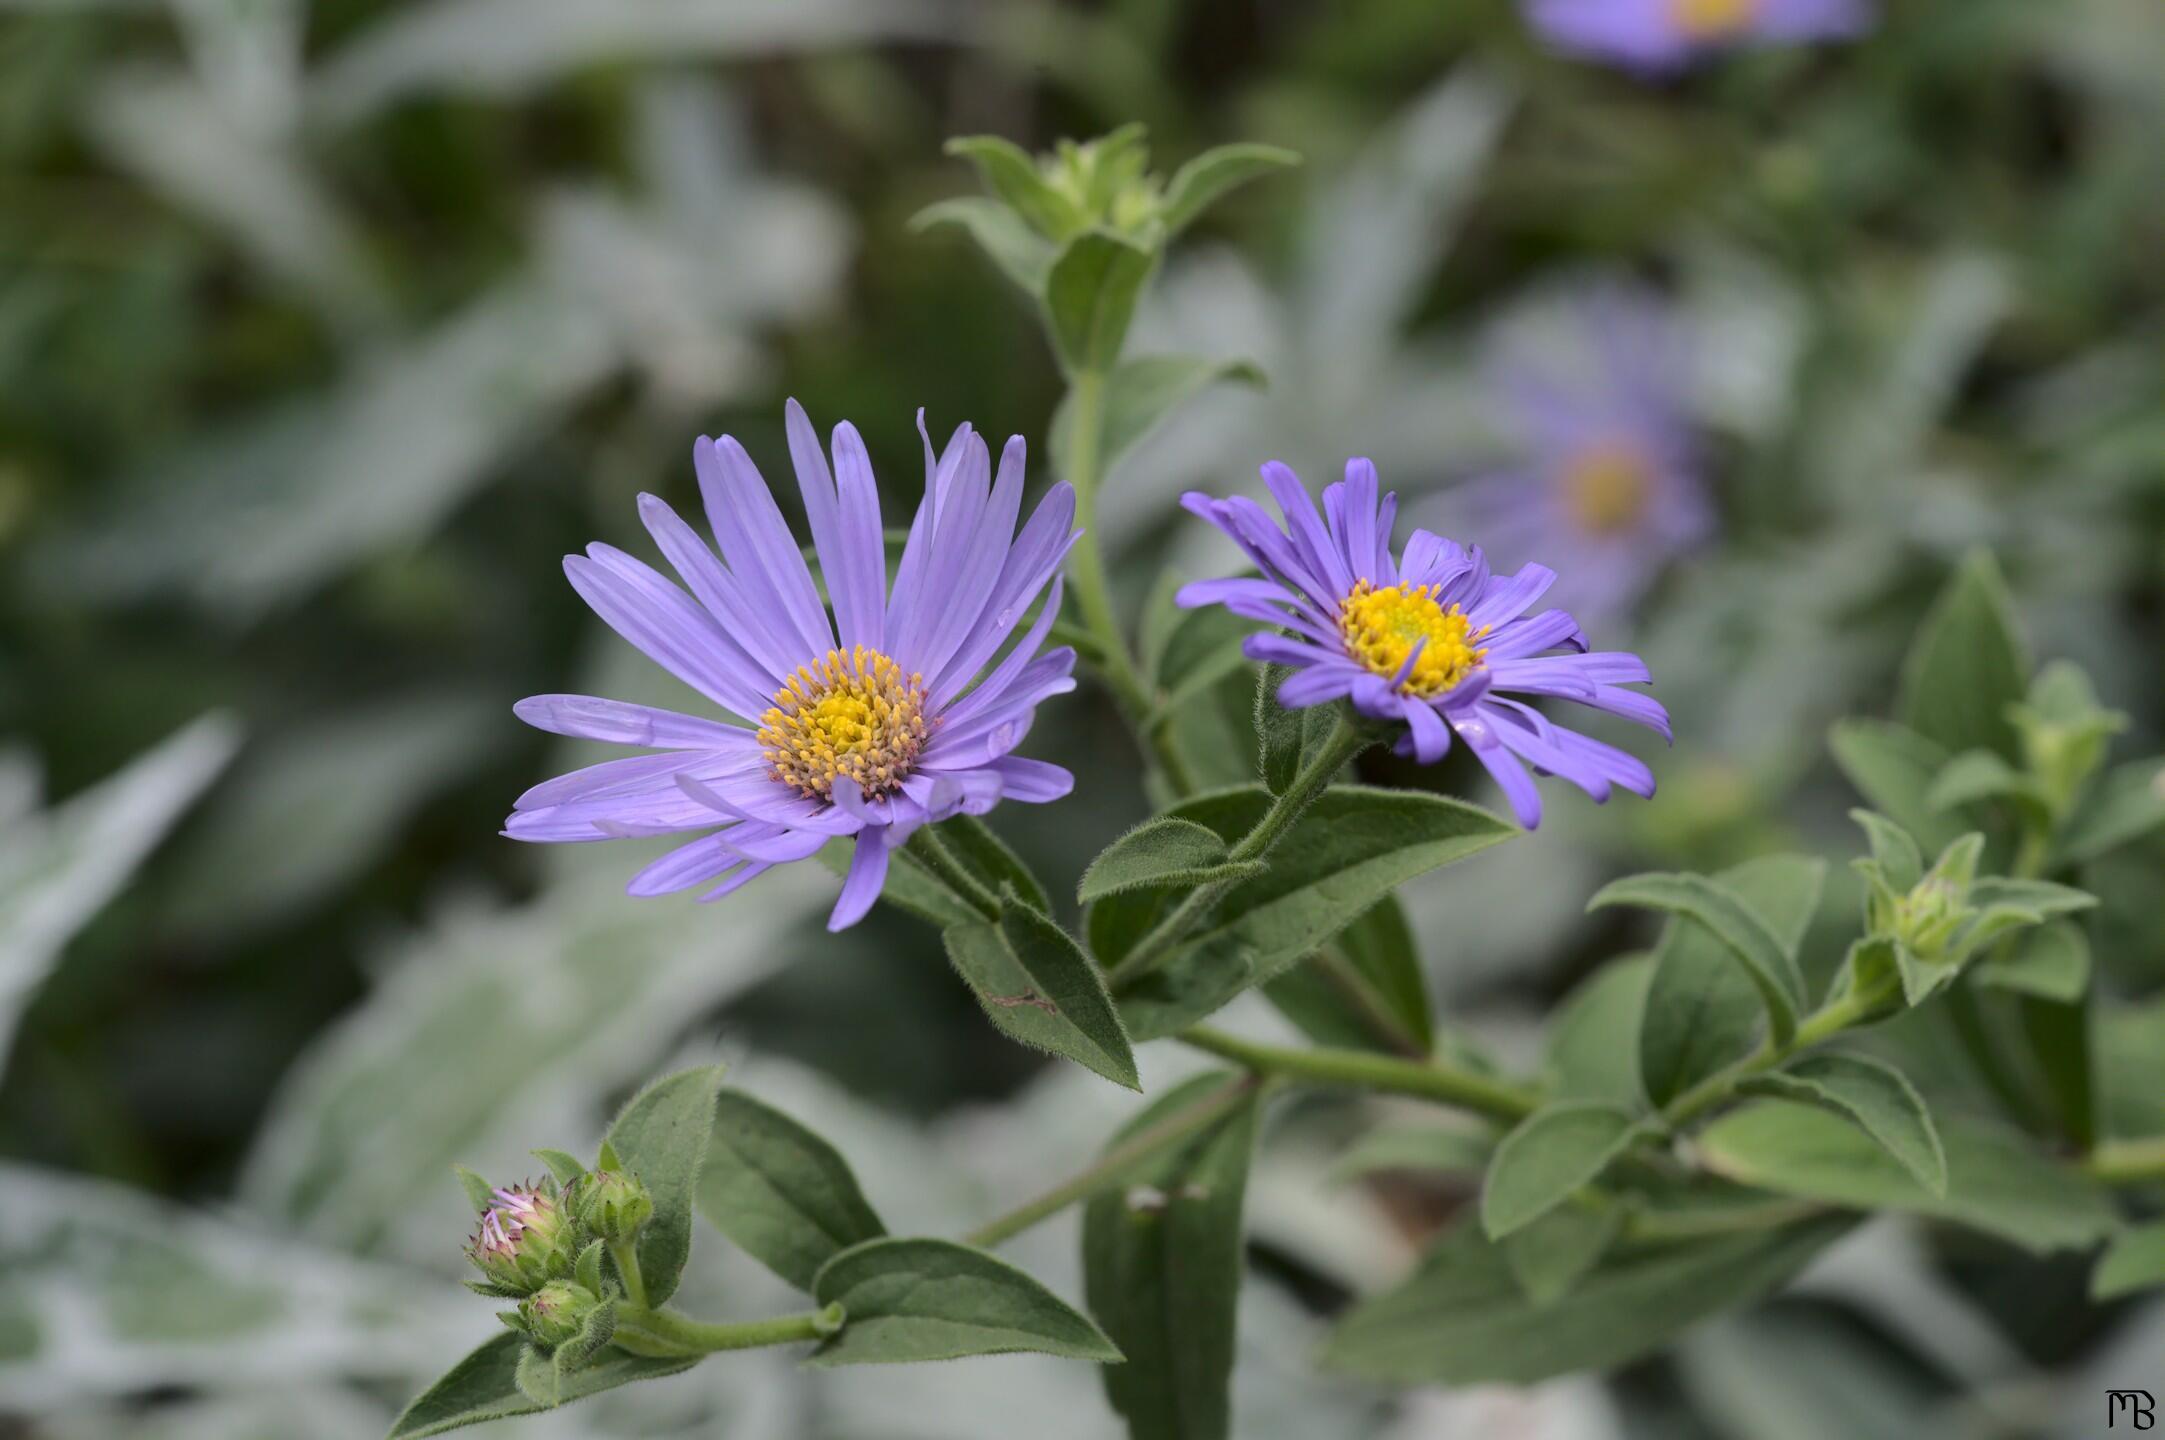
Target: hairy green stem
pixel 666 1334
pixel 1488 1095
pixel 1345 742
pixel 626 1255
pixel 1116 1164
pixel 1093 595
pixel 930 850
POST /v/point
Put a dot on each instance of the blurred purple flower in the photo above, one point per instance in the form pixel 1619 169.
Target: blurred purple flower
pixel 1608 485
pixel 1430 639
pixel 1659 36
pixel 871 738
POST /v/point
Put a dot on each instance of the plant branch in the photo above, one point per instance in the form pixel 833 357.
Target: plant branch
pixel 664 1333
pixel 1345 742
pixel 1487 1095
pixel 2129 1162
pixel 1116 1164
pixel 626 1255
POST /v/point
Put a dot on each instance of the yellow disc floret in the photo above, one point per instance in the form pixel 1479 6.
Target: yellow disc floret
pixel 1382 627
pixel 1712 19
pixel 1606 488
pixel 852 713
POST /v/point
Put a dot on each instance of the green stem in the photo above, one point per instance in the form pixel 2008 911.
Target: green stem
pixel 1093 595
pixel 1822 1024
pixel 1345 742
pixel 1717 1220
pixel 664 1333
pixel 926 845
pixel 2129 1162
pixel 1116 1164
pixel 626 1255
pixel 1365 1070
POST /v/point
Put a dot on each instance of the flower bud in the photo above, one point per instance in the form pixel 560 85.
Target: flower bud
pixel 557 1312
pixel 525 1238
pixel 612 1203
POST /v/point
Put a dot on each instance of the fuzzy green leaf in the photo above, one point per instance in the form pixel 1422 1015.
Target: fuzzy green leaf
pixel 1364 990
pixel 1090 297
pixel 1163 851
pixel 2134 1261
pixel 1162 1265
pixel 1875 1097
pixel 1023 255
pixel 479 1193
pixel 1037 986
pixel 1901 863
pixel 1893 767
pixel 780 1191
pixel 1729 918
pixel 1011 173
pixel 485 1386
pixel 2051 963
pixel 661 1137
pixel 1594 1038
pixel 987 857
pixel 1550 1155
pixel 912 1300
pixel 1198 184
pixel 2126 805
pixel 1552 1254
pixel 1286 738
pixel 562 1164
pixel 1967 667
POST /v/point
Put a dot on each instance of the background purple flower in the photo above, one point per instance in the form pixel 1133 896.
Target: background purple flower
pixel 1607 488
pixel 1664 35
pixel 868 726
pixel 1430 638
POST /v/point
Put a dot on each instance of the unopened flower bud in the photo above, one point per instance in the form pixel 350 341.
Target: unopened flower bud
pixel 612 1203
pixel 525 1238
pixel 557 1312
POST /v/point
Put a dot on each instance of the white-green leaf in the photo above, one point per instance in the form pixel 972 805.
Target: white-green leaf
pixel 2126 805
pixel 1090 297
pixel 2134 1261
pixel 780 1191
pixel 485 1386
pixel 1165 851
pixel 912 1300
pixel 1967 666
pixel 1037 986
pixel 1874 1096
pixel 1553 1153
pixel 2052 963
pixel 1977 775
pixel 1995 1181
pixel 1011 173
pixel 1731 920
pixel 1023 255
pixel 1198 184
pixel 1552 1254
pixel 661 1136
pixel 1893 767
pixel 1162 1266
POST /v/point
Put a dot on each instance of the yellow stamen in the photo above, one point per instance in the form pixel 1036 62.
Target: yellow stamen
pixel 1712 19
pixel 1382 627
pixel 1607 487
pixel 852 713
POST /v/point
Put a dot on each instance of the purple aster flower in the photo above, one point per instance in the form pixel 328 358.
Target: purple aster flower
pixel 1659 36
pixel 1608 487
pixel 1431 639
pixel 869 726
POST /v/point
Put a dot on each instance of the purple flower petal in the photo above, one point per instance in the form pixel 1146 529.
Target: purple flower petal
pixel 867 873
pixel 756 542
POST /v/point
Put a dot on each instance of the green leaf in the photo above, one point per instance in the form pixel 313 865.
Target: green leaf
pixel 1553 1254
pixel 484 1386
pixel 987 857
pixel 1463 1317
pixel 2034 897
pixel 2135 1260
pixel 781 1192
pixel 479 1193
pixel 1550 1155
pixel 1875 1097
pixel 1349 850
pixel 549 1378
pixel 1977 775
pixel 1090 297
pixel 1198 184
pixel 910 887
pixel 1901 863
pixel 661 1137
pixel 2126 805
pixel 1139 395
pixel 1037 986
pixel 1966 666
pixel 1893 767
pixel 1415 1148
pixel 1593 1041
pixel 1729 918
pixel 2059 1036
pixel 1023 255
pixel 2051 963
pixel 1011 173
pixel 1164 851
pixel 1995 1182
pixel 1196 649
pixel 910 1300
pixel 1286 738
pixel 563 1165
pixel 1162 1264
pixel 1364 990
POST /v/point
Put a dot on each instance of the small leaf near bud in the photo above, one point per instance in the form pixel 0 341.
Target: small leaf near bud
pixel 612 1203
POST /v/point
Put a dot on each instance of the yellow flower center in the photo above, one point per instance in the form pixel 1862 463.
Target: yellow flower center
pixel 1382 627
pixel 1712 19
pixel 853 713
pixel 1607 488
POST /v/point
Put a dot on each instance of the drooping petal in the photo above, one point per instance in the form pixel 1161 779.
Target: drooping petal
pixel 867 874
pixel 590 717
